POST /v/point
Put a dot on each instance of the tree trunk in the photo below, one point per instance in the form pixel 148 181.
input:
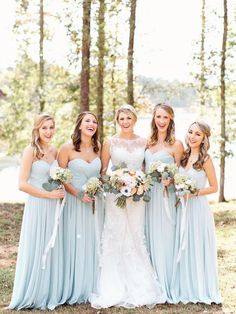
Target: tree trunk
pixel 223 104
pixel 85 70
pixel 202 57
pixel 41 57
pixel 100 73
pixel 130 89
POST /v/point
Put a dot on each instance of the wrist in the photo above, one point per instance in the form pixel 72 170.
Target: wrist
pixel 48 194
pixel 196 193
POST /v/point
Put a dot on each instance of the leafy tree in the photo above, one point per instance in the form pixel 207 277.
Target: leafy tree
pixel 85 69
pixel 130 88
pixel 223 105
pixel 41 56
pixel 101 65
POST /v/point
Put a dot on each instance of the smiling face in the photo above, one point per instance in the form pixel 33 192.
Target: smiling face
pixel 195 136
pixel 126 121
pixel 46 131
pixel 162 120
pixel 88 125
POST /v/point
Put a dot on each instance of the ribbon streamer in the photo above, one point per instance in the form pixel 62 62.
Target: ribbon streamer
pixel 51 242
pixel 183 225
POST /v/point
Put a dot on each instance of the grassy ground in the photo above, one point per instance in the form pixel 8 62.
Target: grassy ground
pixel 225 218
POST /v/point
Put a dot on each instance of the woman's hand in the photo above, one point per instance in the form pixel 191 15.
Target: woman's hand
pixel 167 182
pixel 87 199
pixel 55 194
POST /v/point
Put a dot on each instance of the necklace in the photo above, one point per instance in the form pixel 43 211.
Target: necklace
pixel 193 159
pixel 87 149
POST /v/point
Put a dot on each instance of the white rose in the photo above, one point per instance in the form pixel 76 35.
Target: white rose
pixel 53 172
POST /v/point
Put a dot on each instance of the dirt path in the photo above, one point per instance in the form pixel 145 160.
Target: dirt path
pixel 7 255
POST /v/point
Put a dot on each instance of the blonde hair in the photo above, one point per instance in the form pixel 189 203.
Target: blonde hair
pixel 35 142
pixel 128 109
pixel 170 136
pixel 204 147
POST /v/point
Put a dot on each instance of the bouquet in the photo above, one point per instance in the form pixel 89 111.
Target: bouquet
pixel 127 183
pixel 159 170
pixel 184 184
pixel 92 187
pixel 58 176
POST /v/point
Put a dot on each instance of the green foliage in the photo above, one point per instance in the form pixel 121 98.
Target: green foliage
pixel 22 104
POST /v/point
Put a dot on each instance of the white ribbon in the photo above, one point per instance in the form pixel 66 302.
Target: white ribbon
pixel 183 225
pixel 51 242
pixel 166 205
pixel 96 225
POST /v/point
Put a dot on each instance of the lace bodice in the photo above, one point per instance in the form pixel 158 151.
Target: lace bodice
pixel 129 151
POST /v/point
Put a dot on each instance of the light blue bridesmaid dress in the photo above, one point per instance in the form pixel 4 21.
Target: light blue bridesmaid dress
pixel 195 262
pixel 161 224
pixel 82 231
pixel 35 287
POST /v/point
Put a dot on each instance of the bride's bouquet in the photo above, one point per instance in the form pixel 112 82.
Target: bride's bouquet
pixel 92 188
pixel 159 170
pixel 58 176
pixel 127 183
pixel 184 184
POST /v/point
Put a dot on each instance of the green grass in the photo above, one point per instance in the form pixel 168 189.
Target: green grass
pixel 225 219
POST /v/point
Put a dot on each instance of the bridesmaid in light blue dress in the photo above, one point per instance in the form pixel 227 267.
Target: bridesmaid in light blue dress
pixel 195 262
pixel 81 226
pixel 35 287
pixel 161 211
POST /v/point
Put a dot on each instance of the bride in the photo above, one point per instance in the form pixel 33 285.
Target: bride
pixel 126 277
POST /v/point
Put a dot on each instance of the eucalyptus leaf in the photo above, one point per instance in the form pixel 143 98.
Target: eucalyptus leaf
pixel 81 195
pixel 50 186
pixel 146 198
pixel 136 198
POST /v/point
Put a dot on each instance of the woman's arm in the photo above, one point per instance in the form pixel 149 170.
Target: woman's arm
pixel 63 160
pixel 26 164
pixel 178 151
pixel 212 180
pixel 105 157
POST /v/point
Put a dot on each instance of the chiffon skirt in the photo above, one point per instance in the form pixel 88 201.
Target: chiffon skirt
pixel 160 234
pixel 35 287
pixel 195 277
pixel 82 230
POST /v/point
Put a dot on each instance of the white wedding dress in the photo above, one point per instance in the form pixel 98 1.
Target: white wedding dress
pixel 126 277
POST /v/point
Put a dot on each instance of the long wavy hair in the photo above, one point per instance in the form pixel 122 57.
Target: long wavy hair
pixel 170 136
pixel 204 147
pixel 35 140
pixel 76 136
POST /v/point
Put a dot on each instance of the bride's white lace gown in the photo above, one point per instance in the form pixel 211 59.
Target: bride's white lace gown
pixel 126 277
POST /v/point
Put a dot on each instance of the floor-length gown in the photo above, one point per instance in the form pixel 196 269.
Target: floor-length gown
pixel 126 277
pixel 35 287
pixel 195 277
pixel 161 224
pixel 82 231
